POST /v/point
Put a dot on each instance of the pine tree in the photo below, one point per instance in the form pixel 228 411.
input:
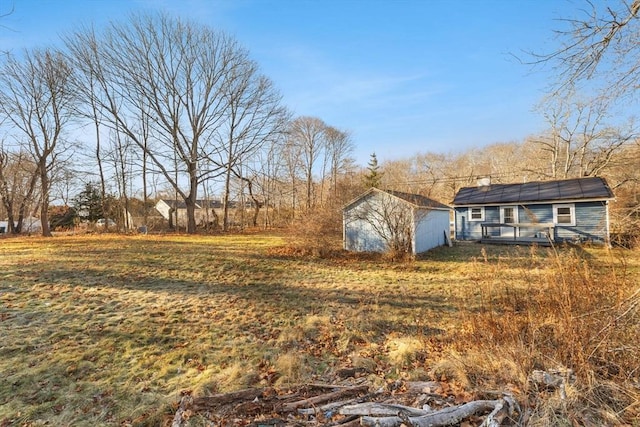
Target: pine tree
pixel 89 204
pixel 374 177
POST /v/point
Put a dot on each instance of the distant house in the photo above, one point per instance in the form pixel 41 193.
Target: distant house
pixel 374 219
pixel 535 212
pixel 29 225
pixel 206 211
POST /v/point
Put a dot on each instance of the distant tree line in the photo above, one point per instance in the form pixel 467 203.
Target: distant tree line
pixel 159 107
pixel 156 105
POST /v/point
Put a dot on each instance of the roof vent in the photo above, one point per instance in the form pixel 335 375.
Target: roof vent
pixel 484 182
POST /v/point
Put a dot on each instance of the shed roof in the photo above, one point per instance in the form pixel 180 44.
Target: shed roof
pixel 592 188
pixel 418 200
pixel 414 199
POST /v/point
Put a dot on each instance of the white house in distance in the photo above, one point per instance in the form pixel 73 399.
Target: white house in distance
pixel 205 210
pixel 371 220
pixel 29 225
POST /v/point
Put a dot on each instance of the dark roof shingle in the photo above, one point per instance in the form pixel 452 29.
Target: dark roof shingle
pixel 418 200
pixel 541 191
pixel 414 199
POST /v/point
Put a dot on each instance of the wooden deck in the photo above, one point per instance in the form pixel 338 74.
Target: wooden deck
pixel 519 241
pixel 518 234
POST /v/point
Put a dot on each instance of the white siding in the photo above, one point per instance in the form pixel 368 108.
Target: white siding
pixel 163 208
pixel 360 235
pixel 431 228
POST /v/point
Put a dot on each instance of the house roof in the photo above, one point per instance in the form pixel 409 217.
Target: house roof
pixel 209 204
pixel 414 199
pixel 175 204
pixel 593 188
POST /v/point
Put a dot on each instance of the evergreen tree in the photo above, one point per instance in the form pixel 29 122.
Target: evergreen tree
pixel 374 177
pixel 89 204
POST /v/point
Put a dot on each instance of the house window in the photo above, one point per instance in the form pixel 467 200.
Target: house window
pixel 564 214
pixel 509 214
pixel 476 214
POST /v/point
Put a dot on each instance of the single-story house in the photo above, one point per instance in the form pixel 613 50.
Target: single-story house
pixel 29 225
pixel 206 211
pixel 534 212
pixel 373 221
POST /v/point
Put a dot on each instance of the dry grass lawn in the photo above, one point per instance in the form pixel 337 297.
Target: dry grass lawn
pixel 109 330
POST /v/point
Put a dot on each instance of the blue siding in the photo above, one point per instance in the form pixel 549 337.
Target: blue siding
pixel 465 229
pixel 536 213
pixel 491 214
pixel 591 221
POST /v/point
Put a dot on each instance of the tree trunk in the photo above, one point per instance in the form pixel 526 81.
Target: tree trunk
pixel 444 417
pixel 7 201
pixel 256 203
pixel 44 206
pixel 190 201
pixel 8 205
pixel 225 199
pixel 145 191
pixel 191 215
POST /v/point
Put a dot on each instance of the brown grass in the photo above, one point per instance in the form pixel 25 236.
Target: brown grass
pixel 574 309
pixel 108 330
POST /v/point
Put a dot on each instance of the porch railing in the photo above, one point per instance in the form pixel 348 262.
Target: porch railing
pixel 521 231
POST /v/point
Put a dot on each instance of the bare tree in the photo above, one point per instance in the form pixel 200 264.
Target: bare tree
pixel 4 14
pixel 580 142
pixel 308 135
pixel 267 171
pixel 255 116
pixel 339 148
pixel 291 155
pixel 602 43
pixel 19 189
pixel 121 154
pixel 173 73
pixel 35 99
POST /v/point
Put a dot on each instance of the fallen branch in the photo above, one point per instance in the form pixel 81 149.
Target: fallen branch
pixel 208 402
pixel 312 401
pixel 328 407
pixel 374 409
pixel 429 387
pixel 181 413
pixel 444 417
pixel 505 408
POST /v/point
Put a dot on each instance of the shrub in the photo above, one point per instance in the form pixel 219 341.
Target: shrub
pixel 581 314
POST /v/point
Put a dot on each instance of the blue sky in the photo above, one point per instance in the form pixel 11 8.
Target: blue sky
pixel 402 76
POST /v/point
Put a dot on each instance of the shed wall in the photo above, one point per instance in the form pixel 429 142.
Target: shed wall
pixel 359 234
pixel 431 227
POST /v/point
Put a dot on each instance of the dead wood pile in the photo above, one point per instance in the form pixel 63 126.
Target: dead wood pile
pixel 399 404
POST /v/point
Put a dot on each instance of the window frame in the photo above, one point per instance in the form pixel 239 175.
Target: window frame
pixel 516 218
pixel 572 214
pixel 471 218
